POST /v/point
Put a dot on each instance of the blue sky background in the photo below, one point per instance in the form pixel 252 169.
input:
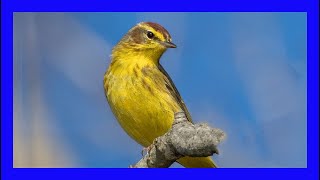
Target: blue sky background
pixel 242 72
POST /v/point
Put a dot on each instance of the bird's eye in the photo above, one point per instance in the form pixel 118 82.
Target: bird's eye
pixel 150 35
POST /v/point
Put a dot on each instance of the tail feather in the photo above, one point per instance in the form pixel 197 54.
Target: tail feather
pixel 197 162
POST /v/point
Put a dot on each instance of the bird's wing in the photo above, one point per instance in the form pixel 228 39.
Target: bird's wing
pixel 174 92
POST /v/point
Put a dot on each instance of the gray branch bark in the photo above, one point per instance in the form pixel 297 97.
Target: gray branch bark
pixel 183 139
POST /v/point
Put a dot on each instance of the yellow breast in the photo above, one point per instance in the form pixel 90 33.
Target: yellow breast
pixel 139 100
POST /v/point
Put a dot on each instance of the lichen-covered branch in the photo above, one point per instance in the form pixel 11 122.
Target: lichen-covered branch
pixel 183 139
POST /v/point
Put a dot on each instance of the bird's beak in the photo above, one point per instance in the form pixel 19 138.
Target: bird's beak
pixel 168 44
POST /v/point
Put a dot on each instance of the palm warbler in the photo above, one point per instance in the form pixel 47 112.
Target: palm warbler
pixel 140 92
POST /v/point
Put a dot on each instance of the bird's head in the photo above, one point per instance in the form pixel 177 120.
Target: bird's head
pixel 147 38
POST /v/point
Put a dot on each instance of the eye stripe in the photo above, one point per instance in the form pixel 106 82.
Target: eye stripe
pixel 155 37
pixel 158 28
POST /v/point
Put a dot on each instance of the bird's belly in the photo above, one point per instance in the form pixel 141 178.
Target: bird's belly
pixel 144 113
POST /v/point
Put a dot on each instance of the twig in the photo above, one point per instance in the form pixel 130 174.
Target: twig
pixel 183 139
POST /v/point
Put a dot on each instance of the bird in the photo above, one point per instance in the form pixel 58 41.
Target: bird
pixel 140 93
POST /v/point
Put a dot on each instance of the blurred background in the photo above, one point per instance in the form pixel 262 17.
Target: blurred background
pixel 242 72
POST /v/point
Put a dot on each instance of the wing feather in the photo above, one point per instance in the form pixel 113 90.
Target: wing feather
pixel 174 92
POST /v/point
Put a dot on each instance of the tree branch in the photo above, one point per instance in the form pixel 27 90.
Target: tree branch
pixel 183 139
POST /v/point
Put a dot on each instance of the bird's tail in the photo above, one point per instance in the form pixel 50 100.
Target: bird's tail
pixel 197 162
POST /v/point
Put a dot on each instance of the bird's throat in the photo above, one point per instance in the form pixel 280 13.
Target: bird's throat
pixel 151 55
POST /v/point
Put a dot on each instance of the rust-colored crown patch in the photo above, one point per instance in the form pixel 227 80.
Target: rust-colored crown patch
pixel 160 29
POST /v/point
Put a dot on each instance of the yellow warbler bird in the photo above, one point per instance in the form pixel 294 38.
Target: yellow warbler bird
pixel 140 92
